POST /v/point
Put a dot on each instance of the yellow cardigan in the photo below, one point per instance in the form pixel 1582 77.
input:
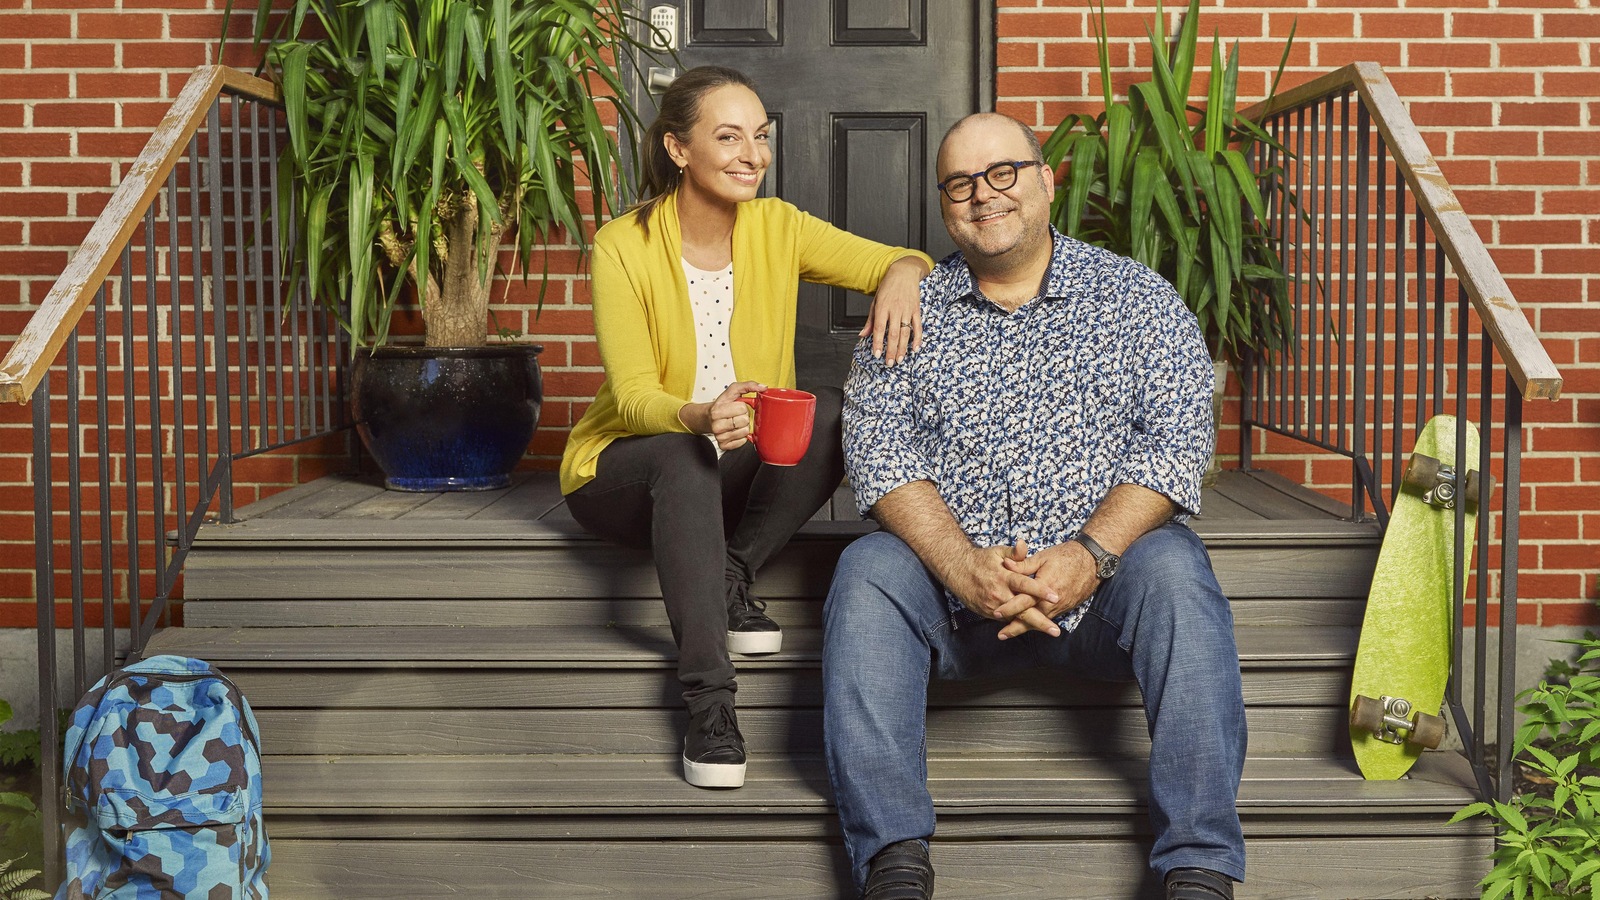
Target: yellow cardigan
pixel 645 327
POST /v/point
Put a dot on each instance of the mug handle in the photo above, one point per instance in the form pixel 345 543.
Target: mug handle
pixel 750 402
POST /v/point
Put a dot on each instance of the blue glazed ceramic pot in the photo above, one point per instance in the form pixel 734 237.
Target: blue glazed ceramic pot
pixel 447 418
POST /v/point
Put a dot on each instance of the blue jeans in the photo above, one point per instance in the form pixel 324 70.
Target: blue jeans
pixel 1161 621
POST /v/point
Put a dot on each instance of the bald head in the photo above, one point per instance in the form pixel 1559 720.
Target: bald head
pixel 985 121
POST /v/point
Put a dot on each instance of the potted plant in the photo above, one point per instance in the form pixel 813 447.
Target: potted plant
pixel 426 137
pixel 1180 189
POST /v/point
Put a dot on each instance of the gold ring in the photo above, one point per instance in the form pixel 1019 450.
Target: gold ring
pixel 905 324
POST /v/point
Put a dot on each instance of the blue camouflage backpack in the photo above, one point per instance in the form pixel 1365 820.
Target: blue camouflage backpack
pixel 163 763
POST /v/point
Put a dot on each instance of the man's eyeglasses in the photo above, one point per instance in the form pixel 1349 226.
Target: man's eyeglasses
pixel 1000 176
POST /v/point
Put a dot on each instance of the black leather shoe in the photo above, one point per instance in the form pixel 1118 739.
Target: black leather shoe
pixel 713 748
pixel 900 871
pixel 749 628
pixel 1198 884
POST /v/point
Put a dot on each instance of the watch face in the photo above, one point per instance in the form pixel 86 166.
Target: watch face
pixel 1108 566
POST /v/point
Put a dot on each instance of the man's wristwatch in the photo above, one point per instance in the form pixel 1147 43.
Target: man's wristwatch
pixel 1105 562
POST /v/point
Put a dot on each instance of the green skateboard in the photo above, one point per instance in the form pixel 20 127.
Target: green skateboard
pixel 1403 660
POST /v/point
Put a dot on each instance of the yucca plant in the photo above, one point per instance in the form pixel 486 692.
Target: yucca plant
pixel 1176 187
pixel 424 135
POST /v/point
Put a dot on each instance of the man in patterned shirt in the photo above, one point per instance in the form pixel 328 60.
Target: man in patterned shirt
pixel 1032 465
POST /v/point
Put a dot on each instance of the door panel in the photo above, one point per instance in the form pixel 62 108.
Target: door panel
pixel 862 91
pixel 876 189
pixel 741 22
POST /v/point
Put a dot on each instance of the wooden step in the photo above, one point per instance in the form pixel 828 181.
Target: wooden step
pixel 538 646
pixel 1054 786
pixel 697 869
pixel 1023 730
pixel 343 539
pixel 573 566
pixel 350 817
pixel 562 689
pixel 485 612
pixel 1040 785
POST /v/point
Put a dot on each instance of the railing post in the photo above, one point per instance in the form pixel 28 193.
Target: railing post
pixel 45 591
pixel 1509 543
pixel 219 293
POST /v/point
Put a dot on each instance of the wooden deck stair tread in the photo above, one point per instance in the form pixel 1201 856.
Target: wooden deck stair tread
pixel 632 647
pixel 467 695
pixel 355 509
pixel 1041 785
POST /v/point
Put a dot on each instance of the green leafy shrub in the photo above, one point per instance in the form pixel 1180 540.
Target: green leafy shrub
pixel 21 826
pixel 1549 846
pixel 12 883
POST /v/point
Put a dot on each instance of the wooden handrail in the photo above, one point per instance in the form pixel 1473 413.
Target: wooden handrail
pixel 1519 347
pixel 47 330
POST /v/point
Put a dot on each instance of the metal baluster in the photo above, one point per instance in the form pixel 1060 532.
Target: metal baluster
pixel 1325 245
pixel 1458 537
pixel 326 328
pixel 108 619
pixel 129 409
pixel 1397 433
pixel 239 262
pixel 1480 647
pixel 157 470
pixel 276 235
pixel 277 317
pixel 180 477
pixel 1295 391
pixel 1510 539
pixel 302 300
pixel 1379 305
pixel 74 487
pixel 1342 337
pixel 45 610
pixel 219 346
pixel 1438 329
pixel 1358 499
pixel 1422 318
pixel 258 218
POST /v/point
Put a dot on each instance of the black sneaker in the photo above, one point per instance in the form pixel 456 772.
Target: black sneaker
pixel 1198 884
pixel 713 749
pixel 749 629
pixel 900 871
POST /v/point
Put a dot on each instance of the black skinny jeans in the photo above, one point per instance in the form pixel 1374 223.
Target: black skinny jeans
pixel 706 521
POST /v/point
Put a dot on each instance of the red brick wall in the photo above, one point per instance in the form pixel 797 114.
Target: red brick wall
pixel 1508 99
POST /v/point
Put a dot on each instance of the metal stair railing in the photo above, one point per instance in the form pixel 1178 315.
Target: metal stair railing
pixel 1399 314
pixel 172 348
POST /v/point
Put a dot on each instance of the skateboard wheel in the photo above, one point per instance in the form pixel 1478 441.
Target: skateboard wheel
pixel 1366 714
pixel 1422 473
pixel 1428 731
pixel 1471 495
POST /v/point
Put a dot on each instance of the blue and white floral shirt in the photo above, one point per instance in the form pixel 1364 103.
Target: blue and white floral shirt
pixel 1024 421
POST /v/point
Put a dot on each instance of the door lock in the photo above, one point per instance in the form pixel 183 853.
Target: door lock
pixel 664 27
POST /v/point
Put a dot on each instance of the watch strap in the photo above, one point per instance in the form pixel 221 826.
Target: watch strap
pixel 1104 559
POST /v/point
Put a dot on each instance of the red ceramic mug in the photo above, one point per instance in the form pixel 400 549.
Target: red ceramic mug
pixel 781 429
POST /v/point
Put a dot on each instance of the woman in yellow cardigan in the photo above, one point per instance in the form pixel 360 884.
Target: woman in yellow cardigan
pixel 694 296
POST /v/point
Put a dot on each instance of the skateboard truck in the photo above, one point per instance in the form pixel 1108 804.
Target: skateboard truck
pixel 1390 719
pixel 1439 484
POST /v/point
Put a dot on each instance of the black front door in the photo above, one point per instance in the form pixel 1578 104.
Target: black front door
pixel 861 91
